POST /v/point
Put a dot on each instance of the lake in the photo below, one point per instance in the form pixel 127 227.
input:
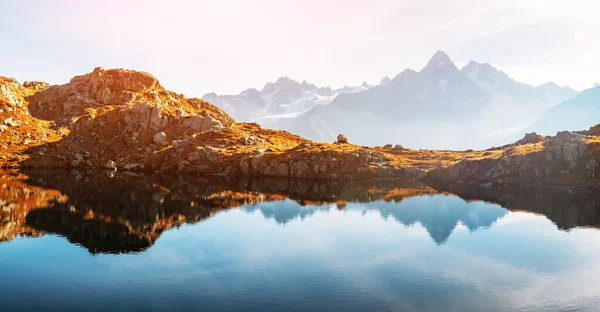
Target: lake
pixel 115 241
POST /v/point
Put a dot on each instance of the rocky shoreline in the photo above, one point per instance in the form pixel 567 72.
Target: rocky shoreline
pixel 125 120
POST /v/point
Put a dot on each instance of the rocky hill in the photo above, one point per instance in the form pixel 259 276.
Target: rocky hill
pixel 125 120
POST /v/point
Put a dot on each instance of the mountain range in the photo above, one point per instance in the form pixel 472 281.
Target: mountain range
pixel 284 98
pixel 440 106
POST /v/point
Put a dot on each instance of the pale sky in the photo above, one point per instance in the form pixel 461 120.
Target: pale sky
pixel 226 46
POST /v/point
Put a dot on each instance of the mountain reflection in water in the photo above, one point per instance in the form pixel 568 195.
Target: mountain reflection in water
pixel 439 214
pixel 115 212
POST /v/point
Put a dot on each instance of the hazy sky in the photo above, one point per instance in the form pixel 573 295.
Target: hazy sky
pixel 194 47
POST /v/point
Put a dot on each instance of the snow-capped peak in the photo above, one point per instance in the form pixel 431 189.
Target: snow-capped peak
pixel 440 63
pixel 284 98
pixel 484 73
pixel 308 86
pixel 439 59
pixel 474 66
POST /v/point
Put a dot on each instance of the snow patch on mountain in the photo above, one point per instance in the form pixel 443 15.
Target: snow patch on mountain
pixel 285 98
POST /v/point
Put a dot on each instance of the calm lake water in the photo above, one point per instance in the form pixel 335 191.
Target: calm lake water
pixel 107 241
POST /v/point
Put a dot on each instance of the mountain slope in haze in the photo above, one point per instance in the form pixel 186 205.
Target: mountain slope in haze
pixel 284 98
pixel 407 110
pixel 579 113
pixel 438 107
pixel 514 104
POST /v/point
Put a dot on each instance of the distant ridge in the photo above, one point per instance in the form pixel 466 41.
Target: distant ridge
pixel 440 106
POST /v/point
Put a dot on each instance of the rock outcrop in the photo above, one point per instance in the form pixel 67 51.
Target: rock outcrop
pixel 530 138
pixel 341 139
pixel 567 158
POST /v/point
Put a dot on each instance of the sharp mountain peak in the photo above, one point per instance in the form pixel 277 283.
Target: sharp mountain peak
pixel 439 61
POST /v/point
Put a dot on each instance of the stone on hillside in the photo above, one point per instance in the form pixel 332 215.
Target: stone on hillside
pixel 387 146
pixel 595 130
pixel 143 116
pixel 178 143
pixel 341 139
pixel 302 145
pixel 244 166
pixel 207 152
pixel 180 113
pixel 131 166
pixel 201 123
pixel 142 108
pixel 157 121
pixel 160 139
pixel 398 146
pixel 562 137
pixel 37 85
pixel 252 140
pixel 110 165
pixel 11 122
pixel 108 86
pixel 530 138
pixel 7 94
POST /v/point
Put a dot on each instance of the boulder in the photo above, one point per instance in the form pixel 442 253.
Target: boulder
pixel 208 152
pixel 36 85
pixel 7 94
pixel 595 130
pixel 201 123
pixel 11 122
pixel 341 139
pixel 302 145
pixel 143 116
pixel 180 113
pixel 157 121
pixel 178 143
pixel 160 139
pixel 530 138
pixel 110 165
pixel 252 140
pixel 244 166
pixel 132 166
pixel 562 138
pixel 108 86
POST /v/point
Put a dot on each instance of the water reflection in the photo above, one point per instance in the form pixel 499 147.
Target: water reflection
pixel 124 212
pixel 441 214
